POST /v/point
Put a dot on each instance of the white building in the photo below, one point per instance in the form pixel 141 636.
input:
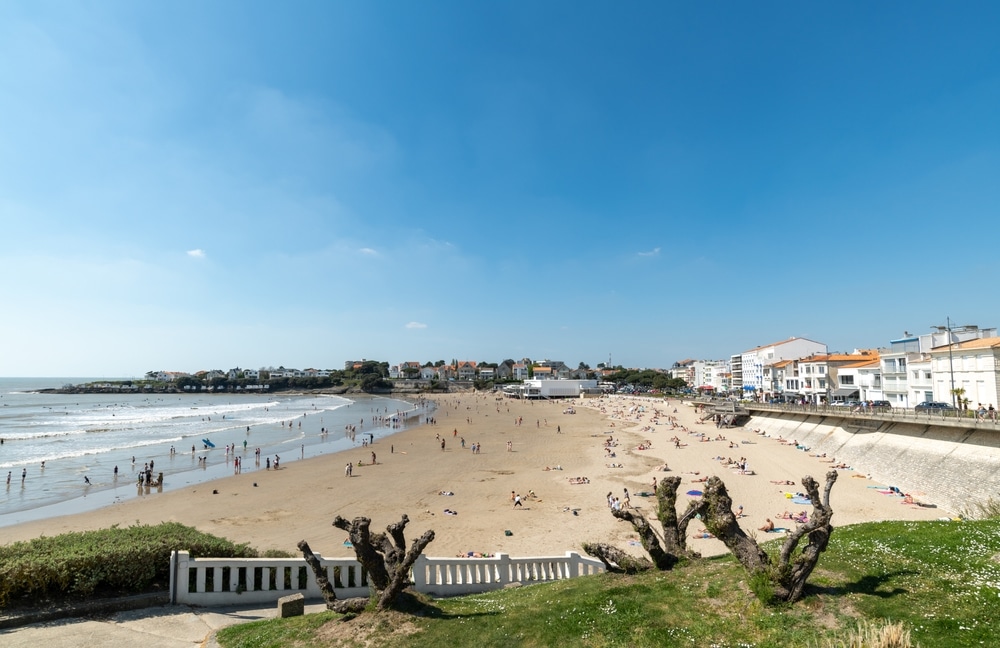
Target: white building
pixel 972 366
pixel 750 367
pixel 897 361
pixel 710 373
pixel 538 388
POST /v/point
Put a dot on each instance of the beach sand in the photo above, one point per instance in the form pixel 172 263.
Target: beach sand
pixel 277 508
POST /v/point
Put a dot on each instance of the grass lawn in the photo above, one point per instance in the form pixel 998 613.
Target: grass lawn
pixel 941 580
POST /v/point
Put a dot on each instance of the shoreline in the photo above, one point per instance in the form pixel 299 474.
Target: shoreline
pixel 414 474
pixel 55 490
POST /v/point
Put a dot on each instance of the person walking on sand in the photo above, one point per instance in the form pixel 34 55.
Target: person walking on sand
pixel 373 459
pixel 517 501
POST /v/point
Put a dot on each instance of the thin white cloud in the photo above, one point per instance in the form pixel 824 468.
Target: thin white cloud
pixel 651 253
pixel 197 254
pixel 368 251
pixel 416 325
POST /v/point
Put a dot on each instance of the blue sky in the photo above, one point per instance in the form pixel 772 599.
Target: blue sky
pixel 197 185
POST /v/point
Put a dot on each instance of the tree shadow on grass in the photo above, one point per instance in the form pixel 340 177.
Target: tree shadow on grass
pixel 869 585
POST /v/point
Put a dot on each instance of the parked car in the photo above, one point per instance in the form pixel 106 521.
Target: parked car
pixel 881 404
pixel 932 406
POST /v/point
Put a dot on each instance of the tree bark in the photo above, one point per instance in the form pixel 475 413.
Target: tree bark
pixel 341 606
pixel 793 571
pixel 615 560
pixel 788 576
pixel 647 537
pixel 716 509
pixel 674 528
pixel 664 551
pixel 384 555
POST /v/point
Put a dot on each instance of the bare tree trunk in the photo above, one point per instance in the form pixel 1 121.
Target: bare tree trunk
pixel 342 606
pixel 615 560
pixel 661 559
pixel 384 555
pixel 716 509
pixel 789 575
pixel 793 572
pixel 674 528
pixel 665 551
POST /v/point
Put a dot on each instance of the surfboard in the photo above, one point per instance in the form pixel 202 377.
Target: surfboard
pixel 208 443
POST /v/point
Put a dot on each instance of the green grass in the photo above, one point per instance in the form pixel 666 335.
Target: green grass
pixel 940 580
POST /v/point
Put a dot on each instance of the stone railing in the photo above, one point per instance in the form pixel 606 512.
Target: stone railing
pixel 454 576
pixel 251 581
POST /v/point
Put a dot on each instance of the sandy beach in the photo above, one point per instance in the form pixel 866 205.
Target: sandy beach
pixel 466 496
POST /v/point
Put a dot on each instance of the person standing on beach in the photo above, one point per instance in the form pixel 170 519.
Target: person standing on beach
pixel 24 473
pixel 8 478
pixel 517 501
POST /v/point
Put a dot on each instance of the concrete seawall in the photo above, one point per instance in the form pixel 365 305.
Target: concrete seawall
pixel 955 467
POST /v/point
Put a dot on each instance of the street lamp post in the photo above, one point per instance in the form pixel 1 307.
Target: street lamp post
pixel 951 360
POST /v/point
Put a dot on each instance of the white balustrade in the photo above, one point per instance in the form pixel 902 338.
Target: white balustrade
pixel 239 581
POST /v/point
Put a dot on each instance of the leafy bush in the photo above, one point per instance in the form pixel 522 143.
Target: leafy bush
pixel 115 560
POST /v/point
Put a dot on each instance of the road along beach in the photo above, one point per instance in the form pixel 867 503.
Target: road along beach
pixel 563 465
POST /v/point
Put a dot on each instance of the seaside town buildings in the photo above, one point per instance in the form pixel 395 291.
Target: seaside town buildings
pixel 957 365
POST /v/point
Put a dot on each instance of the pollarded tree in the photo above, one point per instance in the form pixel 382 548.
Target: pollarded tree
pixel 787 572
pixel 665 548
pixel 384 557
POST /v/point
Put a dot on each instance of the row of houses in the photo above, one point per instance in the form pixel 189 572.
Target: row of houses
pixel 237 374
pixel 503 371
pixel 947 365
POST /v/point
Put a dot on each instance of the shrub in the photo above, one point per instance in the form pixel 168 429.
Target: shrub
pixel 113 561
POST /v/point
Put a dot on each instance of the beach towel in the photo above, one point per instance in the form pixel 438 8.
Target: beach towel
pixel 695 493
pixel 801 500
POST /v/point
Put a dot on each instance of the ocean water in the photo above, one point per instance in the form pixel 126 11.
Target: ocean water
pixel 56 440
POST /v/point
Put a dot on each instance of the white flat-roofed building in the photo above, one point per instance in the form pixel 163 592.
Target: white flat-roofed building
pixel 538 388
pixel 972 366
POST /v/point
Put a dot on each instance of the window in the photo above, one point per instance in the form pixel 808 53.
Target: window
pixel 890 365
pixel 821 370
pixel 902 365
pixel 847 380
